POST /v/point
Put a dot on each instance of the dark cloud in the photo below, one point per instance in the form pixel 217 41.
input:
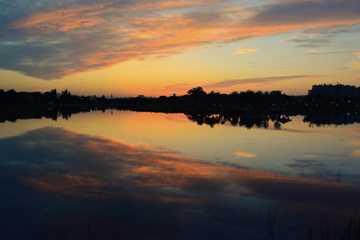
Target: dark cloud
pixel 311 12
pixel 312 169
pixel 306 39
pixel 321 170
pixel 232 165
pixel 330 53
pixel 342 18
pixel 331 30
pixel 329 155
pixel 320 37
pixel 301 163
pixel 309 45
pixel 315 40
pixel 265 80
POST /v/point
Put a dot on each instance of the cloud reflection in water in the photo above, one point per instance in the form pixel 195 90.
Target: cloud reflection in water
pixel 135 190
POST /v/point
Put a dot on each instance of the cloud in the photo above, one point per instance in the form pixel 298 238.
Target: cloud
pixel 313 52
pixel 327 155
pixel 311 40
pixel 265 80
pixel 307 12
pixel 284 129
pixel 62 19
pixel 249 50
pixel 244 154
pixel 312 169
pixel 54 39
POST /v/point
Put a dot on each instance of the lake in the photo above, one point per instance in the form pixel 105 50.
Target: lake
pixel 138 175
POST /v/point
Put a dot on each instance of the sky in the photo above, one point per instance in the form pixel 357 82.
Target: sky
pixel 128 48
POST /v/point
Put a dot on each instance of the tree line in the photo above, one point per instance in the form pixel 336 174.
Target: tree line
pixel 195 94
pixel 47 98
pixel 196 100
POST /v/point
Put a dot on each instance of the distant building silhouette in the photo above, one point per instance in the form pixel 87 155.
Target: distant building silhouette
pixel 334 91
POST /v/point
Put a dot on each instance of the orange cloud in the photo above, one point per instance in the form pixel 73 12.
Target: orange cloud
pixel 249 50
pixel 68 185
pixel 244 154
pixel 62 19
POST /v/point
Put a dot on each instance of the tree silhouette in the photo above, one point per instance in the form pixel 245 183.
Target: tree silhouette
pixel 65 96
pixel 197 93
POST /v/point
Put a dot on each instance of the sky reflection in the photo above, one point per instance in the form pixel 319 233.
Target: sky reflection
pixel 60 179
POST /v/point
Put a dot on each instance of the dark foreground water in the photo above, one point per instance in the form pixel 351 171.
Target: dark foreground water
pixel 128 175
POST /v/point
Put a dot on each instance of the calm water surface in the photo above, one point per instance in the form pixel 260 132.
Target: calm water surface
pixel 132 175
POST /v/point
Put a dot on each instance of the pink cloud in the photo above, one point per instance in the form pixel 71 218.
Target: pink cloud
pixel 62 19
pixel 244 154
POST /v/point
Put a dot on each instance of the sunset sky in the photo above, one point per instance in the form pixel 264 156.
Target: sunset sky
pixel 160 47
